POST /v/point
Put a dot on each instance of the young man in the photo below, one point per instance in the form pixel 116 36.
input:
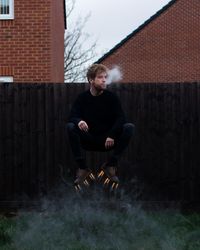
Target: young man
pixel 97 123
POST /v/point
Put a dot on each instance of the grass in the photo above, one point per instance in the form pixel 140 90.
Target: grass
pixel 98 224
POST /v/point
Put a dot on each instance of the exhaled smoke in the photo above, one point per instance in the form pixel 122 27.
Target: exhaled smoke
pixel 114 75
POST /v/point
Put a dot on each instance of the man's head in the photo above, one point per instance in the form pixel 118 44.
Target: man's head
pixel 96 69
pixel 96 75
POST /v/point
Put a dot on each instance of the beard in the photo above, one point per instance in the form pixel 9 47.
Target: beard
pixel 99 87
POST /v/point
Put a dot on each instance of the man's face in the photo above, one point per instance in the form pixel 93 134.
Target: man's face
pixel 100 81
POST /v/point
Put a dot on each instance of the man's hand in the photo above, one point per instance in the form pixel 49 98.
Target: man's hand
pixel 83 126
pixel 109 143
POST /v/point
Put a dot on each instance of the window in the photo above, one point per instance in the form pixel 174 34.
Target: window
pixel 6 79
pixel 6 9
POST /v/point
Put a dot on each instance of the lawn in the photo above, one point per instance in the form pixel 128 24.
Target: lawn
pixel 98 224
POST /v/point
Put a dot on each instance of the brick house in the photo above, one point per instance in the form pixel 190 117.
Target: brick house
pixel 32 40
pixel 166 48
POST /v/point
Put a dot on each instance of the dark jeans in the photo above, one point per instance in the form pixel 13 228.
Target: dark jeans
pixel 80 140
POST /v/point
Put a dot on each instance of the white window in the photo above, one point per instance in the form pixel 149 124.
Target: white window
pixel 6 79
pixel 6 9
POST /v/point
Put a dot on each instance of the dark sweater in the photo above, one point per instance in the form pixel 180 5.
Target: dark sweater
pixel 103 113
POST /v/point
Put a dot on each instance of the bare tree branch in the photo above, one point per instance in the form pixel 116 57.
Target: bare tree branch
pixel 77 53
pixel 70 6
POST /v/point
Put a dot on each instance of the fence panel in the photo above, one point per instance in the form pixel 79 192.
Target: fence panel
pixel 163 154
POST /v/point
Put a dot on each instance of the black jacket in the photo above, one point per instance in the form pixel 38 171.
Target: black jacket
pixel 103 113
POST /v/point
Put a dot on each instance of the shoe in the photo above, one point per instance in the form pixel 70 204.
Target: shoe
pixel 82 176
pixel 108 176
pixel 111 173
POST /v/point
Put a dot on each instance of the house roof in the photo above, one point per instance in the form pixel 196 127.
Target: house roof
pixel 65 21
pixel 157 14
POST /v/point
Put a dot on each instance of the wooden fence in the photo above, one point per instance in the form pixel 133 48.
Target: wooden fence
pixel 163 156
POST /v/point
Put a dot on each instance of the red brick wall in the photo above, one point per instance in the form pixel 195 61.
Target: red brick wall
pixel 166 50
pixel 26 42
pixel 57 41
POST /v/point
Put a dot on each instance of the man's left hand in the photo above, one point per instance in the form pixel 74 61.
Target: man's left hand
pixel 109 143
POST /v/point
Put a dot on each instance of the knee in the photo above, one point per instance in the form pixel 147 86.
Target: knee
pixel 70 127
pixel 129 128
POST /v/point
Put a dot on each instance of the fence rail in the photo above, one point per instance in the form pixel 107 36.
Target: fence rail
pixel 163 154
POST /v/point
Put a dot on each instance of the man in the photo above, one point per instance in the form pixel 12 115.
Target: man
pixel 97 123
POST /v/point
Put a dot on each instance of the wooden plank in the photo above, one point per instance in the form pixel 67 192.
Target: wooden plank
pixel 49 134
pixel 22 140
pixel 3 185
pixel 66 152
pixel 175 134
pixel 34 183
pixel 9 166
pixel 198 145
pixel 64 115
pixel 41 139
pixel 193 142
pixel 26 118
pixel 185 159
pixel 17 149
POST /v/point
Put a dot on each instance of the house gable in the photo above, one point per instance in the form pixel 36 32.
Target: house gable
pixel 157 14
pixel 164 49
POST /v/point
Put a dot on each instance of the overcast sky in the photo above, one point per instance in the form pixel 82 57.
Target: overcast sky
pixel 112 20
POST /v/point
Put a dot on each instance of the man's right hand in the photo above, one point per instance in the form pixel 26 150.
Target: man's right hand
pixel 83 126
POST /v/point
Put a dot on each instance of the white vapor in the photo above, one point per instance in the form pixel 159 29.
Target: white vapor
pixel 114 75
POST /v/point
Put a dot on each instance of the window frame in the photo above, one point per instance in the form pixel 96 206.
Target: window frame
pixel 6 79
pixel 11 14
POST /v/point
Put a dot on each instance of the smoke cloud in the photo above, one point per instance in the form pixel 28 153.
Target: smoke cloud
pixel 114 75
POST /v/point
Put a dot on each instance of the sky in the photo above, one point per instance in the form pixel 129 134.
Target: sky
pixel 110 21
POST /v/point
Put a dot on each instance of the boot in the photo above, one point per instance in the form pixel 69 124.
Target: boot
pixel 83 176
pixel 108 177
pixel 111 173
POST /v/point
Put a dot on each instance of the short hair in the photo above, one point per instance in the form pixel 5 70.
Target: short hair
pixel 95 69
